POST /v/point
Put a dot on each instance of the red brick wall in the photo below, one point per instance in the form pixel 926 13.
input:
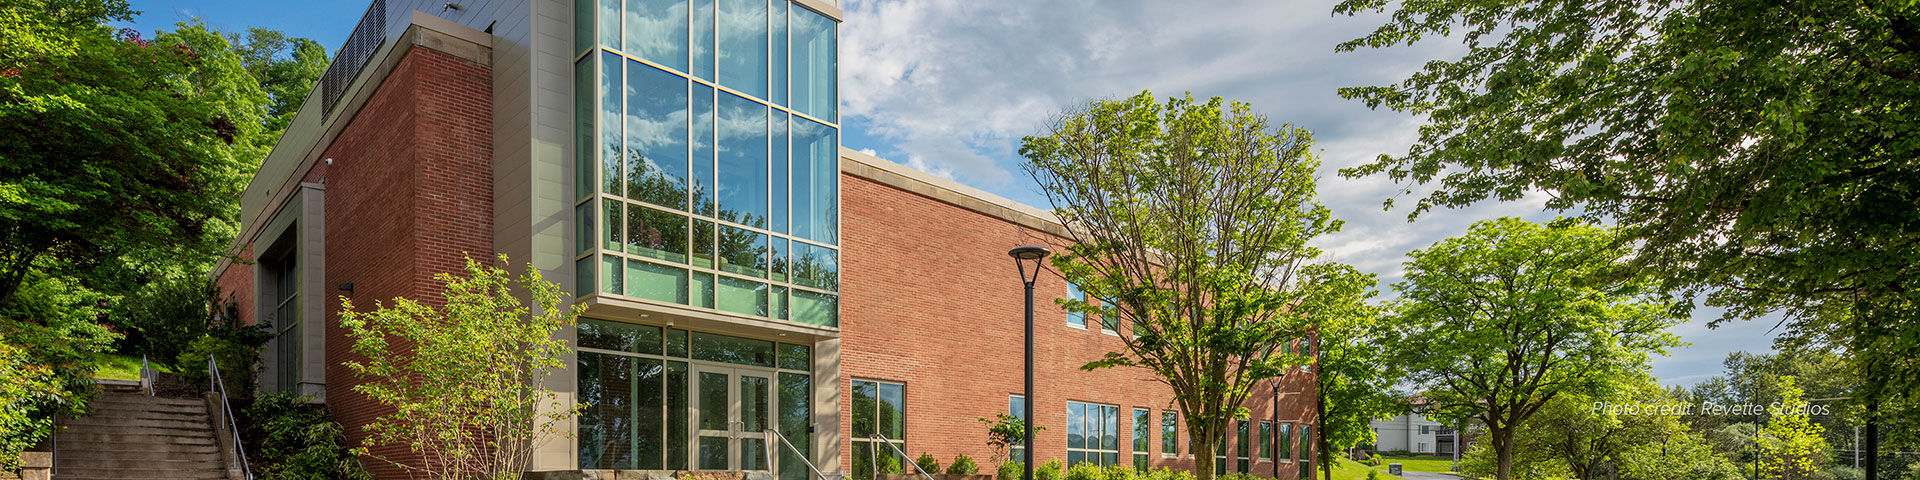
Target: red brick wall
pixel 409 191
pixel 931 299
pixel 236 283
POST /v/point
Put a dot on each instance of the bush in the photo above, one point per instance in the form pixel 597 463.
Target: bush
pixel 1373 475
pixel 1048 471
pixel 1009 470
pixel 962 465
pixel 1842 472
pixel 1084 471
pixel 889 464
pixel 927 463
pixel 238 363
pixel 293 439
pixel 1169 474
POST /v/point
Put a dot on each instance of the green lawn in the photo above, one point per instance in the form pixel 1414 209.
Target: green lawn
pixel 1421 463
pixel 1345 469
pixel 119 367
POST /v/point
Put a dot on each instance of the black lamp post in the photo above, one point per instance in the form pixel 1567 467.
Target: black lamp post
pixel 1021 255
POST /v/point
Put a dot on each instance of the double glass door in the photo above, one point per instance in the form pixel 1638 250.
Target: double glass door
pixel 731 411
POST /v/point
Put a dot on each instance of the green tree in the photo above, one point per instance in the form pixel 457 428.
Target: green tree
pixel 286 68
pixel 1592 434
pixel 1355 380
pixel 1188 222
pixel 1759 154
pixel 1514 314
pixel 466 378
pixel 1792 446
pixel 1678 456
pixel 51 344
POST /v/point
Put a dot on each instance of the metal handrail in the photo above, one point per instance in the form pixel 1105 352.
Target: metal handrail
pixel 220 386
pixel 147 376
pixel 903 456
pixel 796 454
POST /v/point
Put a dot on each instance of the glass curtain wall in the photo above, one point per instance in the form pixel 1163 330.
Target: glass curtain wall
pixel 634 379
pixel 707 167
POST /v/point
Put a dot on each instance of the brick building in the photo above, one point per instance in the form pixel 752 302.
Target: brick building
pixel 677 167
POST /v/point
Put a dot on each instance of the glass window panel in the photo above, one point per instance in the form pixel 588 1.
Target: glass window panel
pixel 1306 443
pixel 583 276
pixel 654 281
pixel 611 106
pixel 1110 428
pixel 742 296
pixel 754 408
pixel 610 279
pixel 703 39
pixel 743 46
pixel 815 181
pixel 1109 458
pixel 625 337
pixel 657 31
pixel 778 269
pixel 753 451
pixel 1076 319
pixel 1266 439
pixel 613 238
pixel 1241 446
pixel 743 251
pixel 702 290
pixel 701 140
pixel 1076 458
pixel 1140 462
pixel 610 23
pixel 742 185
pixel 1169 433
pixel 777 215
pixel 583 231
pixel 583 119
pixel 606 431
pixel 583 22
pixel 1286 441
pixel 796 357
pixel 729 349
pixel 676 343
pixel 649 440
pixel 1076 425
pixel 816 266
pixel 777 303
pixel 814 56
pixel 816 308
pixel 1142 429
pixel 777 19
pixel 656 233
pixel 677 415
pixel 713 453
pixel 656 148
pixel 713 401
pixel 795 415
pixel 865 394
pixel 893 406
pixel 702 240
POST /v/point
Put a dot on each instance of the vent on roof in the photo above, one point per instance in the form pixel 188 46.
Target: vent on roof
pixel 353 56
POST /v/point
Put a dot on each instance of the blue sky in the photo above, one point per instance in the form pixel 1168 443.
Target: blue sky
pixel 949 87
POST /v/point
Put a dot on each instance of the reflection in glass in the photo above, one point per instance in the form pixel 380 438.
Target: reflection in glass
pixel 892 421
pixel 743 46
pixel 815 182
pixel 794 412
pixel 583 276
pixel 610 108
pixel 583 115
pixel 613 236
pixel 656 233
pixel 625 337
pixel 743 251
pixel 713 453
pixel 648 439
pixel 702 142
pixel 742 296
pixel 610 279
pixel 778 19
pixel 816 308
pixel 656 149
pixel 702 239
pixel 713 401
pixel 796 357
pixel 610 23
pixel 814 54
pixel 583 230
pixel 816 266
pixel 703 39
pixel 742 187
pixel 676 343
pixel 606 428
pixel 777 303
pixel 729 349
pixel 777 215
pixel 676 392
pixel 753 403
pixel 778 269
pixel 654 281
pixel 702 290
pixel 864 396
pixel 657 31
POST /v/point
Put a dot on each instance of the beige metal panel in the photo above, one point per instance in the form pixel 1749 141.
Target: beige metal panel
pixel 314 291
pixel 826 405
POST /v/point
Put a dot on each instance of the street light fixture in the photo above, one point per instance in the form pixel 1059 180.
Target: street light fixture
pixel 1021 255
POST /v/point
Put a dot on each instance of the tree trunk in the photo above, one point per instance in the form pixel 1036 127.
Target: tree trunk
pixel 1203 446
pixel 1503 452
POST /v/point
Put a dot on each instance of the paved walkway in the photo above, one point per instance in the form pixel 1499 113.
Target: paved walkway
pixel 1412 475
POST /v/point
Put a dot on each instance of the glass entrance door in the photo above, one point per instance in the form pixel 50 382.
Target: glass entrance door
pixel 731 410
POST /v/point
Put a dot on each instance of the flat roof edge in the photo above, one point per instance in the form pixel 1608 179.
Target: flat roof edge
pixel 863 165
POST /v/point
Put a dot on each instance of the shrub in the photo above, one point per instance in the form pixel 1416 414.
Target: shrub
pixel 1169 474
pixel 927 463
pixel 962 465
pixel 1373 475
pixel 889 464
pixel 238 363
pixel 296 440
pixel 1842 472
pixel 1009 470
pixel 1048 471
pixel 1084 471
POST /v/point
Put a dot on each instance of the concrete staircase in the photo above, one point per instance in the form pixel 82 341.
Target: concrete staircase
pixel 130 435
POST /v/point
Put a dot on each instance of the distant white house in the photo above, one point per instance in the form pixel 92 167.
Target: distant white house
pixel 1413 433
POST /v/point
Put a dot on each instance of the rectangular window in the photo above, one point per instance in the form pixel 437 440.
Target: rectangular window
pixel 1426 430
pixel 1017 407
pixel 879 408
pixel 815 51
pixel 1093 432
pixel 656 137
pixel 815 187
pixel 1306 444
pixel 1076 319
pixel 742 185
pixel 1169 434
pixel 1142 437
pixel 286 321
pixel 743 46
pixel 1240 446
pixel 1286 441
pixel 1266 441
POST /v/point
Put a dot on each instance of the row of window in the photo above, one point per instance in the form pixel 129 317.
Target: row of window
pixel 1092 429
